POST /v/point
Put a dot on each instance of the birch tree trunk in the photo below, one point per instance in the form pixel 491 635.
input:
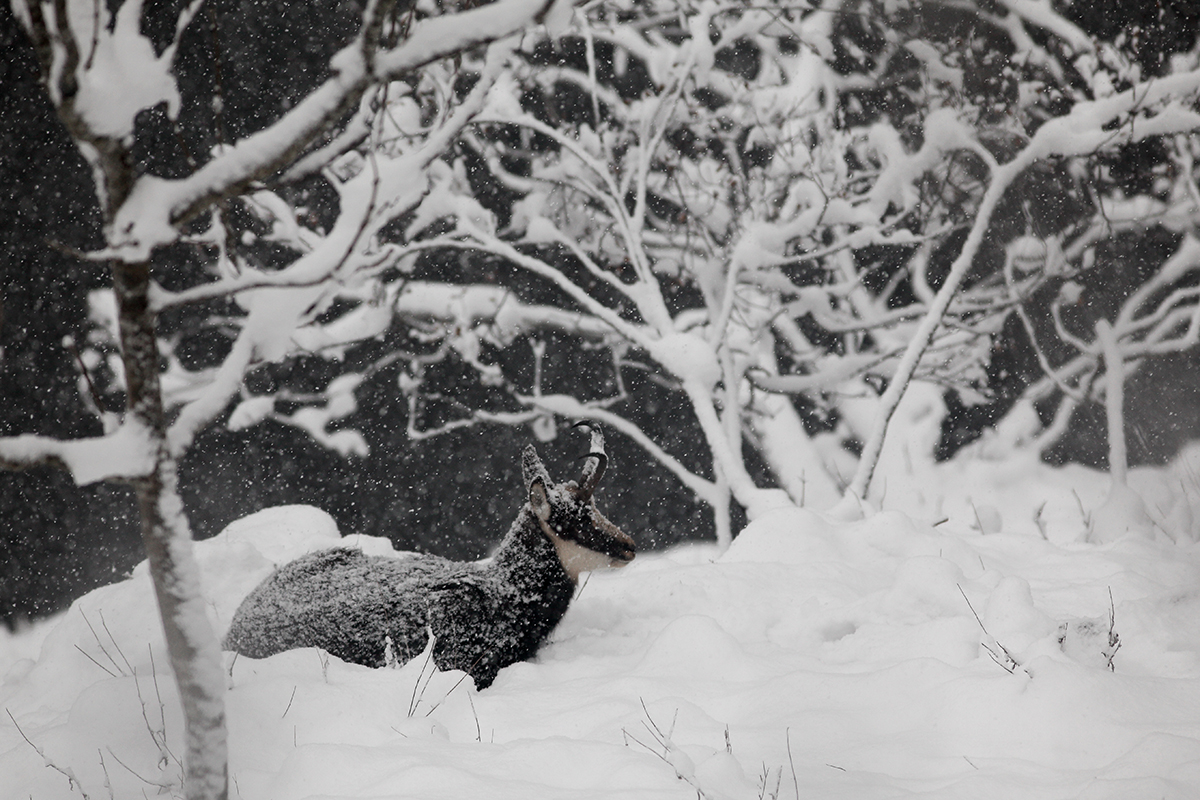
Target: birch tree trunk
pixel 192 646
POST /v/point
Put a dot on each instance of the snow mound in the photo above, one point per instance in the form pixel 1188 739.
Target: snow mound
pixel 815 658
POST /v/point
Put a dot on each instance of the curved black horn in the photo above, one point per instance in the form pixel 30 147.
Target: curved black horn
pixel 593 471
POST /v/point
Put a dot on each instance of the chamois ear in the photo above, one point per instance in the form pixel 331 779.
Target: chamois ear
pixel 532 468
pixel 537 481
pixel 539 501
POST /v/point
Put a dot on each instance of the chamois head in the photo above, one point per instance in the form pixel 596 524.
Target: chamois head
pixel 567 514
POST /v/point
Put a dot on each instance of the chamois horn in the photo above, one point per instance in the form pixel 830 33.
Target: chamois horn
pixel 593 471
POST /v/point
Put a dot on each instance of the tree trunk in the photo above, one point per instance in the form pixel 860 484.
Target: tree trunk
pixel 192 646
pixel 1114 401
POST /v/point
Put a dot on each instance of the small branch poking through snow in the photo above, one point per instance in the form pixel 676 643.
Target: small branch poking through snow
pixel 1041 523
pixel 289 704
pixel 104 769
pixel 117 647
pixel 94 661
pixel 1114 640
pixel 418 691
pixel 978 523
pixel 475 714
pixel 1008 661
pixel 671 754
pixel 165 752
pixel 103 649
pixel 1087 517
pixel 764 782
pixel 787 738
pixel 161 786
pixel 70 776
pixel 158 735
pixel 457 683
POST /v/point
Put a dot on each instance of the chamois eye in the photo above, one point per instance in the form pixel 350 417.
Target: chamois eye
pixel 558 529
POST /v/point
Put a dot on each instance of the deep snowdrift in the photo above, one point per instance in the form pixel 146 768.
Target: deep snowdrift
pixel 815 658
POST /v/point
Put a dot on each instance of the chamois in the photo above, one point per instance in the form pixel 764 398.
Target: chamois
pixel 483 616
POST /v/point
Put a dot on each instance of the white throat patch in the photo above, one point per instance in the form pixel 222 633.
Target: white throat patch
pixel 577 559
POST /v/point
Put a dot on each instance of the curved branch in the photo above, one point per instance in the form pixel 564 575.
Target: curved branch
pixel 1043 360
pixel 490 244
pixel 1067 336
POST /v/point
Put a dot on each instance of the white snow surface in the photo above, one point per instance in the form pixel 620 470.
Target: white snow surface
pixel 835 659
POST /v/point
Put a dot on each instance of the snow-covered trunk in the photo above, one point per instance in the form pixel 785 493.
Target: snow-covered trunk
pixel 790 454
pixel 728 463
pixel 1124 510
pixel 785 446
pixel 192 646
pixel 729 472
pixel 722 522
pixel 1114 401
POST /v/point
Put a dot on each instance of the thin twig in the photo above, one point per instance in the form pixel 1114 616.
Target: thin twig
pixel 67 773
pixel 289 703
pixel 93 392
pixel 104 769
pixel 466 674
pixel 787 737
pixel 100 644
pixel 415 699
pixel 1087 518
pixel 94 661
pixel 1114 640
pixel 1009 663
pixel 978 521
pixel 162 713
pixel 113 639
pixel 475 714
pixel 163 787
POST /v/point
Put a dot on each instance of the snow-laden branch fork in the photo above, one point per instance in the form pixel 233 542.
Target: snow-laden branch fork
pixel 147 211
pixel 1152 108
pixel 157 206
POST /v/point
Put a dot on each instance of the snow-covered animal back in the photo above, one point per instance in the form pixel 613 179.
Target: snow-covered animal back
pixel 483 616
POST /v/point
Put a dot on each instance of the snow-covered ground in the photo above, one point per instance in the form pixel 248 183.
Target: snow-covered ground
pixel 896 656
